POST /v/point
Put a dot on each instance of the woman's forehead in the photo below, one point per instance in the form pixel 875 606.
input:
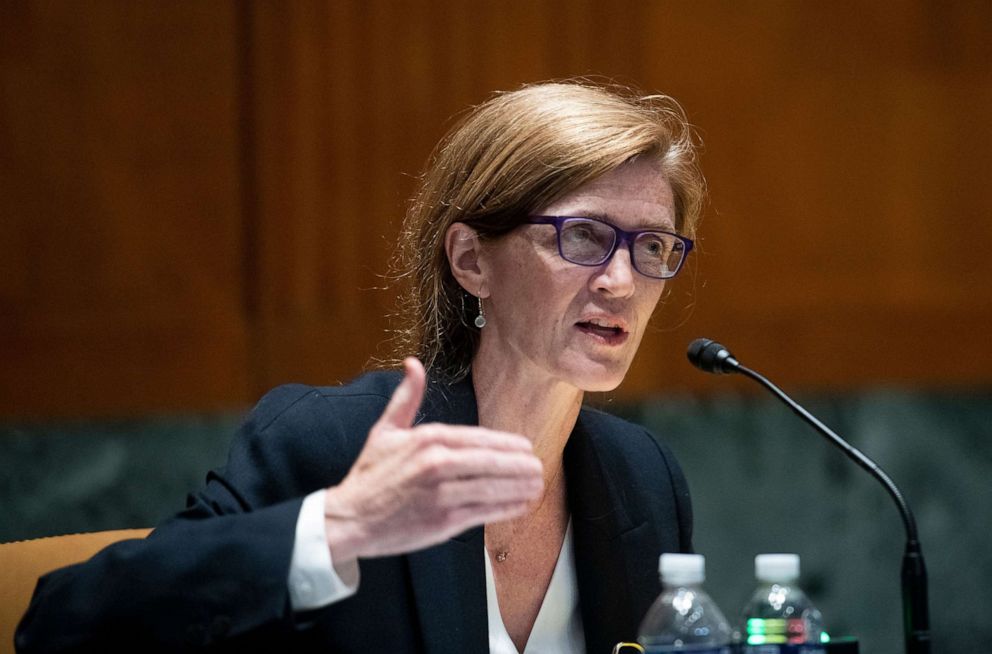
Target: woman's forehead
pixel 635 194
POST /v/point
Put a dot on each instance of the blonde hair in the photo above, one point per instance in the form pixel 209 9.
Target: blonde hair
pixel 507 158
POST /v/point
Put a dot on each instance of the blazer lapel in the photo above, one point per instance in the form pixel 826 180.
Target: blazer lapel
pixel 449 587
pixel 611 546
pixel 449 580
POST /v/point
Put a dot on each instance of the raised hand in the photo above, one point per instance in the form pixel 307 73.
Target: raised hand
pixel 416 486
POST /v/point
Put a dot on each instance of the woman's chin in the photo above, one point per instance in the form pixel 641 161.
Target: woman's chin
pixel 602 387
pixel 599 378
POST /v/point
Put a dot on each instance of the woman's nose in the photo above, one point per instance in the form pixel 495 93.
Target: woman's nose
pixel 616 275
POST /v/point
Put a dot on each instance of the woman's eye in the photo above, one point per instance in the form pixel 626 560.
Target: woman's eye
pixel 653 247
pixel 578 234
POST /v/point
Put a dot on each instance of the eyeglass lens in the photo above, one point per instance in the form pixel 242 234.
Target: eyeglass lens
pixel 590 242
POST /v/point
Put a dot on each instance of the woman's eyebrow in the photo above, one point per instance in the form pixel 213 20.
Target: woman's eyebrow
pixel 664 224
pixel 590 213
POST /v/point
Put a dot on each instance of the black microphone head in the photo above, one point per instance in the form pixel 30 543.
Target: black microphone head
pixel 710 356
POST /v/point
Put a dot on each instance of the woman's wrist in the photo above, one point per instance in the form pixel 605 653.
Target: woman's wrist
pixel 344 532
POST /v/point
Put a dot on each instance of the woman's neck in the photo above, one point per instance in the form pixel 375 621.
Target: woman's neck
pixel 544 410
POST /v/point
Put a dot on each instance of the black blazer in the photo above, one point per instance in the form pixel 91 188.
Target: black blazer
pixel 215 575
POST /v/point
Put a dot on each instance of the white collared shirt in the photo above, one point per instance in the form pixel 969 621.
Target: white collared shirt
pixel 558 629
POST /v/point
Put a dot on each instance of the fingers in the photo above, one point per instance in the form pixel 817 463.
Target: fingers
pixel 459 436
pixel 402 408
pixel 470 516
pixel 488 493
pixel 438 464
pixel 414 486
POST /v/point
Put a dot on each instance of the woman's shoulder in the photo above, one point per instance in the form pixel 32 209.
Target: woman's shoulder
pixel 624 437
pixel 372 389
pixel 650 472
pixel 300 437
pixel 611 425
pixel 370 386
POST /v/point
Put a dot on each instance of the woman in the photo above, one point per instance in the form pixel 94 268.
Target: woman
pixel 475 505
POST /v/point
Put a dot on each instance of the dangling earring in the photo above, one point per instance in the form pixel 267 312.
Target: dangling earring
pixel 480 320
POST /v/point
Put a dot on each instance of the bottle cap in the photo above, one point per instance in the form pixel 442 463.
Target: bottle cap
pixel 682 568
pixel 776 567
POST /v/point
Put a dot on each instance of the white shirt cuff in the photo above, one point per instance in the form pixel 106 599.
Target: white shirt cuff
pixel 314 580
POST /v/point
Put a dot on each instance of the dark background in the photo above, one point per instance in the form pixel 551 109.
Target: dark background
pixel 197 202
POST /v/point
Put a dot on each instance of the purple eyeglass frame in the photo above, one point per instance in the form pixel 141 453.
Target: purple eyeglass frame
pixel 622 236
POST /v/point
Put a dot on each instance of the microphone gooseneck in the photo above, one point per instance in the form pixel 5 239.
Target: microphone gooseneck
pixel 712 357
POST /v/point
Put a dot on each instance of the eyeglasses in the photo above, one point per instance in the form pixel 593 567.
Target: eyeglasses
pixel 591 242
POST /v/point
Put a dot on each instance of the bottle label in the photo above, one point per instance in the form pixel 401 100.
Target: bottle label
pixel 781 636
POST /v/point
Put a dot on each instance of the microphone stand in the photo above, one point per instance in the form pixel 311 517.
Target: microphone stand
pixel 915 611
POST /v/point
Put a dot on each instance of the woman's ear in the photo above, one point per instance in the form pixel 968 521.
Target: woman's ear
pixel 463 247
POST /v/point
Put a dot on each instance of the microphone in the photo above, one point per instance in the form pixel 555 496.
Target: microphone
pixel 712 357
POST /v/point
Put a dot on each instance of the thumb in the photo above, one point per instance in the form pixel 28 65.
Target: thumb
pixel 406 399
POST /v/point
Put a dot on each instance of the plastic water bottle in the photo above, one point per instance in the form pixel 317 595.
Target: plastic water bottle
pixel 684 618
pixel 779 618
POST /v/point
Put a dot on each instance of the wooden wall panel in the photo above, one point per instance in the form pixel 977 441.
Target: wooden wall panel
pixel 199 200
pixel 848 217
pixel 121 279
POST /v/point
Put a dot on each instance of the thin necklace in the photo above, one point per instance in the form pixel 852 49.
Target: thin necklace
pixel 504 553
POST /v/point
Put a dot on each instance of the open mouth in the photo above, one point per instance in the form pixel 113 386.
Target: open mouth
pixel 603 331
